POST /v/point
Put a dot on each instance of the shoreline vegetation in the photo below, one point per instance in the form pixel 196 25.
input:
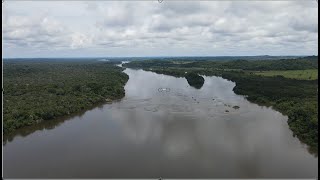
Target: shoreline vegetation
pixel 50 124
pixel 294 97
pixel 37 91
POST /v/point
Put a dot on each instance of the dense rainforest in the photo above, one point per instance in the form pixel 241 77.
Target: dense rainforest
pixel 43 90
pixel 296 98
pixel 302 63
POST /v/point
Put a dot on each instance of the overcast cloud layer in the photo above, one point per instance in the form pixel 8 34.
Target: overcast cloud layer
pixel 143 28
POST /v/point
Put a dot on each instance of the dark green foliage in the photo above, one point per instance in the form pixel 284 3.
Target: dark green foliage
pixel 195 80
pixel 296 98
pixel 176 72
pixel 262 65
pixel 35 91
pixel 167 72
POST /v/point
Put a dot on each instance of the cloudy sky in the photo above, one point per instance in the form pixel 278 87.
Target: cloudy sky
pixel 149 28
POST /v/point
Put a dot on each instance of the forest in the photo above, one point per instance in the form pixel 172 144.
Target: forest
pixel 294 97
pixel 302 63
pixel 39 90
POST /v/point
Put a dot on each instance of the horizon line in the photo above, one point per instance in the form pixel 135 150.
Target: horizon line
pixel 156 56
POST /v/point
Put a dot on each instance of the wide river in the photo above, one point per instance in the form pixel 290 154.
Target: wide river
pixel 179 133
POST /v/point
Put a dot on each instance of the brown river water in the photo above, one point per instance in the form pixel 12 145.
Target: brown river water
pixel 182 132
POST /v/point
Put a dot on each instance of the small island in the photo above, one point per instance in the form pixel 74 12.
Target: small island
pixel 195 80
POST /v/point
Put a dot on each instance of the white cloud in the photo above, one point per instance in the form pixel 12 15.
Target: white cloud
pixel 149 28
pixel 80 40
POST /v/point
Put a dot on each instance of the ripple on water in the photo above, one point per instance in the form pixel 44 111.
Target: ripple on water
pixel 151 109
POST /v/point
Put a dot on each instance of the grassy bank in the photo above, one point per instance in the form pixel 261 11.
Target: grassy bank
pixel 309 74
pixel 35 91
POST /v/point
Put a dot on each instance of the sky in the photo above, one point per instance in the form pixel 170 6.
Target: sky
pixel 149 28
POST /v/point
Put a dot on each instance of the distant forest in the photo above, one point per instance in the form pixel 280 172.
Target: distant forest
pixel 310 62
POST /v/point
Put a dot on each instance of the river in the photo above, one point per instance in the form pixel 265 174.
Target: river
pixel 180 132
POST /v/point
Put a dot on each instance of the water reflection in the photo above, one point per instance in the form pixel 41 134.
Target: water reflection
pixel 45 125
pixel 183 133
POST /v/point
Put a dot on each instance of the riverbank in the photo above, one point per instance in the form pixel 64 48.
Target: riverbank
pixel 294 98
pixel 36 91
pixel 298 99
